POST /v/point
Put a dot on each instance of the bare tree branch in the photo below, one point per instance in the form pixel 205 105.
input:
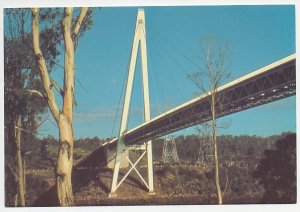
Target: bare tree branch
pixel 214 57
pixel 79 20
pixel 226 184
pixel 36 92
pixel 43 121
pixel 224 125
pixel 12 171
pixel 33 129
pixel 56 86
pixel 24 130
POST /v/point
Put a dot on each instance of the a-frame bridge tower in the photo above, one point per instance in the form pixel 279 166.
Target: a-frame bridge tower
pixel 139 40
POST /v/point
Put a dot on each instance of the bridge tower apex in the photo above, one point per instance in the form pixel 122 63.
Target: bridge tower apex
pixel 122 152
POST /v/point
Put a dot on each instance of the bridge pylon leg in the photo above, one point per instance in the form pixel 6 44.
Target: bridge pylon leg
pixel 117 164
pixel 150 167
pixel 122 149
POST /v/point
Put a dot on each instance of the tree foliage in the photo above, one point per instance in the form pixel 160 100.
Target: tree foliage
pixel 24 95
pixel 277 172
pixel 64 116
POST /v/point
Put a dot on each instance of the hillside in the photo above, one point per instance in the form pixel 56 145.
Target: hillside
pixel 189 182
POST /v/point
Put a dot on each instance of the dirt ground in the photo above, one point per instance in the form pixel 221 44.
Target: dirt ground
pixel 171 187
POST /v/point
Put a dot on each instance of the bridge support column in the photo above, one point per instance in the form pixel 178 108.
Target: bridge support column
pixel 150 167
pixel 139 39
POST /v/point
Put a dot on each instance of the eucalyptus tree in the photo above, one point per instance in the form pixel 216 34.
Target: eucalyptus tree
pixel 70 30
pixel 22 103
pixel 25 99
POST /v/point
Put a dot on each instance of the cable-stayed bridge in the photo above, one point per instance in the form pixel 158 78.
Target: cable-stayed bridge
pixel 270 83
pixel 267 84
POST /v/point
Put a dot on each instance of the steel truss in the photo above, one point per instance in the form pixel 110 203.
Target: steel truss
pixel 170 151
pixel 206 151
pixel 272 84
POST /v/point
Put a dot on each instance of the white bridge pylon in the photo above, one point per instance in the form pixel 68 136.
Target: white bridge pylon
pixel 122 150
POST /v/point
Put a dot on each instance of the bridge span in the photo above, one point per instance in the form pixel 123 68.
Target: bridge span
pixel 270 83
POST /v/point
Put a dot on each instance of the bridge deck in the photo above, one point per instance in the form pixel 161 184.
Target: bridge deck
pixel 270 83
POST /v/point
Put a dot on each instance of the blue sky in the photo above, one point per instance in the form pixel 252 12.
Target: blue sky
pixel 258 35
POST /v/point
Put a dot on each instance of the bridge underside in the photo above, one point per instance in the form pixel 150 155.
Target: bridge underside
pixel 275 83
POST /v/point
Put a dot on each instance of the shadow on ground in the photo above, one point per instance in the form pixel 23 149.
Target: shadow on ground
pixel 84 173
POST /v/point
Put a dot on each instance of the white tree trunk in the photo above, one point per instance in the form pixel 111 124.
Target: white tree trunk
pixel 20 168
pixel 65 163
pixel 217 178
pixel 63 118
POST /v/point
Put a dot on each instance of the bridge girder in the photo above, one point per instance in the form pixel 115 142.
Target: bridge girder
pixel 275 83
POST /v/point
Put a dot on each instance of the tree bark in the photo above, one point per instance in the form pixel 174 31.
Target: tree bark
pixel 69 66
pixel 65 154
pixel 64 117
pixel 65 162
pixel 42 64
pixel 20 168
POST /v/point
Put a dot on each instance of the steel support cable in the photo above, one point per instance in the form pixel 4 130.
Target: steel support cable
pixel 159 85
pixel 281 92
pixel 181 53
pixel 152 83
pixel 155 75
pixel 152 77
pixel 129 111
pixel 125 77
pixel 166 99
pixel 169 118
pixel 171 74
pixel 174 47
pixel 167 70
pixel 121 94
pixel 154 88
pixel 181 68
